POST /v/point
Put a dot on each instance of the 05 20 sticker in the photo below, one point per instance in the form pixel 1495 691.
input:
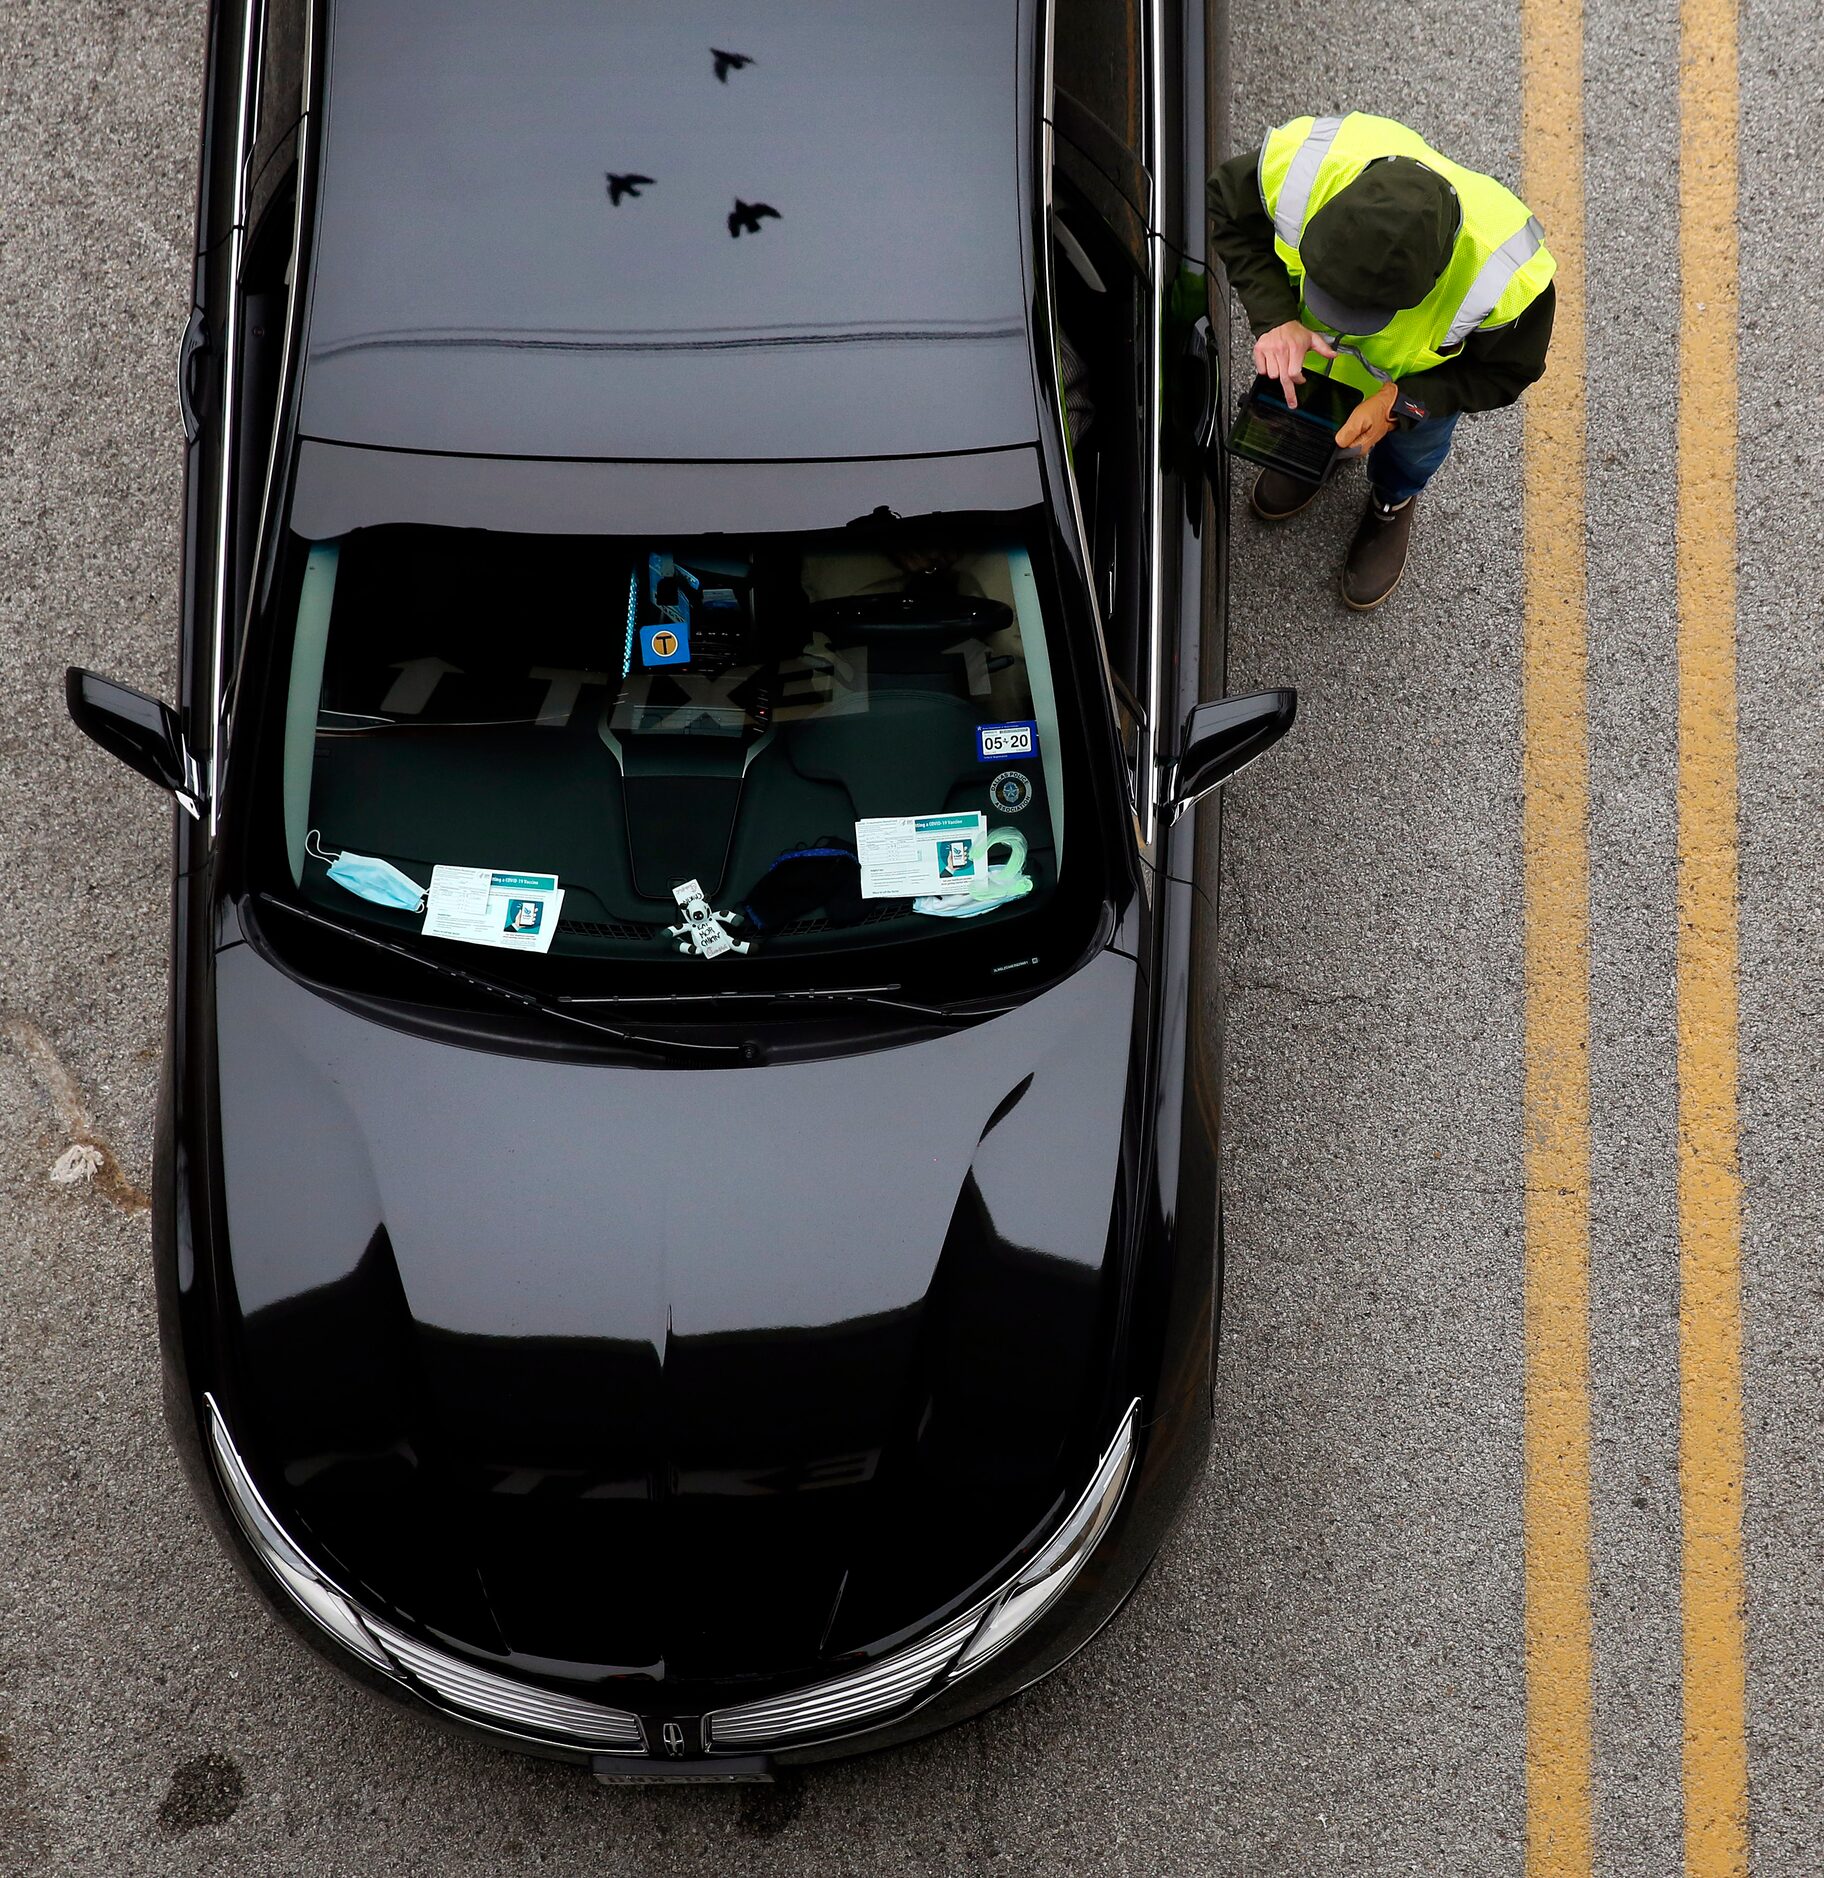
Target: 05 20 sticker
pixel 995 743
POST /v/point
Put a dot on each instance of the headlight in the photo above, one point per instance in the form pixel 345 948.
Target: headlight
pixel 845 1704
pixel 1043 1581
pixel 308 1587
pixel 521 1707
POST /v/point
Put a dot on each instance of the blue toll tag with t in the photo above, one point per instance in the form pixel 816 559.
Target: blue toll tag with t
pixel 996 742
pixel 667 643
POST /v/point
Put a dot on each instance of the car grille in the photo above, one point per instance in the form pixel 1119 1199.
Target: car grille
pixel 512 1704
pixel 848 1701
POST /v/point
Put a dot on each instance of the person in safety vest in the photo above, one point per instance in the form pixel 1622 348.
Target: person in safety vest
pixel 1362 253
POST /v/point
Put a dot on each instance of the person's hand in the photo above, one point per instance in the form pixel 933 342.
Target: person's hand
pixel 1281 354
pixel 1368 423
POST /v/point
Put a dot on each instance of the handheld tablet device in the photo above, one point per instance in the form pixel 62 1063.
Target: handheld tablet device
pixel 1299 443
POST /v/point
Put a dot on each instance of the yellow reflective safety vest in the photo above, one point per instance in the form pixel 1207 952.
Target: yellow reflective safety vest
pixel 1499 266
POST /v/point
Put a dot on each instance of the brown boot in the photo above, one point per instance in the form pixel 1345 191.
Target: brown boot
pixel 1377 555
pixel 1275 497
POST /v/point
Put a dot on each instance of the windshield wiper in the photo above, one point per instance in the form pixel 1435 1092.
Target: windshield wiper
pixel 501 989
pixel 876 996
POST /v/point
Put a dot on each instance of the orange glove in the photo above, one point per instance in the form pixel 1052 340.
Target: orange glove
pixel 1368 423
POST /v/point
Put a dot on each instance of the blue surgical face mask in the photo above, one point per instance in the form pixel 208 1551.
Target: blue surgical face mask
pixel 379 881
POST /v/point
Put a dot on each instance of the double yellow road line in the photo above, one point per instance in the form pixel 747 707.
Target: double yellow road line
pixel 1555 842
pixel 1556 871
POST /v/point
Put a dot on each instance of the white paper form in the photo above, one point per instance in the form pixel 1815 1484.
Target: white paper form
pixel 487 906
pixel 907 856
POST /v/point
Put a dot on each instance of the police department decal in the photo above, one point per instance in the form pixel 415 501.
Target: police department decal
pixel 1010 791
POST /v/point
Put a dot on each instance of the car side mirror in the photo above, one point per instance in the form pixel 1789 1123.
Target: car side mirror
pixel 1227 736
pixel 141 731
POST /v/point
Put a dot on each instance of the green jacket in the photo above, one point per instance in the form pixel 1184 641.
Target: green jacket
pixel 1490 371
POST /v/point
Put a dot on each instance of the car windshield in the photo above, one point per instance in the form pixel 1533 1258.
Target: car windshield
pixel 680 758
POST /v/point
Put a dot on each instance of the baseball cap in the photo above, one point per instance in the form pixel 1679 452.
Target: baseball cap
pixel 1379 245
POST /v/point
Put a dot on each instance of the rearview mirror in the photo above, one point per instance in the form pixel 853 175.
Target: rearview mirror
pixel 141 731
pixel 1227 736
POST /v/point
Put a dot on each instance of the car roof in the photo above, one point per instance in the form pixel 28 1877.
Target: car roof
pixel 473 289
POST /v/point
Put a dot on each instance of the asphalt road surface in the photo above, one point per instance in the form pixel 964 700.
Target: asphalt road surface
pixel 1329 1670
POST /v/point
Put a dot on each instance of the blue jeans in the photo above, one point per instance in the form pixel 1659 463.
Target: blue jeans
pixel 1404 461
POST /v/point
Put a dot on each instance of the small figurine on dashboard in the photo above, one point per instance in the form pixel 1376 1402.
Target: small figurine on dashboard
pixel 703 924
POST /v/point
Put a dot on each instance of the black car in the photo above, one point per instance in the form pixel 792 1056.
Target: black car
pixel 687 1224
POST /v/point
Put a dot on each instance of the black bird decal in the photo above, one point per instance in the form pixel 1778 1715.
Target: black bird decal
pixel 747 216
pixel 619 186
pixel 727 62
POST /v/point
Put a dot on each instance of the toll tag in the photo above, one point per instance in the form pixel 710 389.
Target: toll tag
pixel 903 856
pixel 486 906
pixel 667 643
pixel 996 742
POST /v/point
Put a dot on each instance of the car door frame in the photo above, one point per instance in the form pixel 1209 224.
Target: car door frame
pixel 1151 201
pixel 220 564
pixel 1175 1307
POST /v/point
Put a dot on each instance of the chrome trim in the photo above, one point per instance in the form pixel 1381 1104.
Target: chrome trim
pixel 1146 755
pixel 845 1702
pixel 498 1698
pixel 251 39
pixel 1157 253
pixel 862 1699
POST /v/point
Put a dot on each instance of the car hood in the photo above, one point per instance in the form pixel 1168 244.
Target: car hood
pixel 682 1375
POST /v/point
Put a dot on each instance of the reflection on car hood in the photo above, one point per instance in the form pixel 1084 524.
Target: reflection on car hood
pixel 685 1373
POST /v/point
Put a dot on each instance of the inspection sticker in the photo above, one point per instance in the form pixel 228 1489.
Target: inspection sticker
pixel 995 742
pixel 907 856
pixel 485 906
